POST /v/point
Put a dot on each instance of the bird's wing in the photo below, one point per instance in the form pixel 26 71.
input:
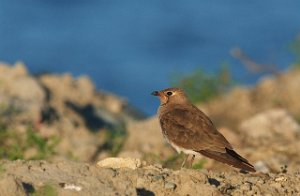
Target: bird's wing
pixel 190 128
pixel 229 157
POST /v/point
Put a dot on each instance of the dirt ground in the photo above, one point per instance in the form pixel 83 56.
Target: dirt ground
pixel 70 178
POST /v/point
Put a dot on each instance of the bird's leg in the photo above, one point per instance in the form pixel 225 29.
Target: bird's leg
pixel 192 160
pixel 183 163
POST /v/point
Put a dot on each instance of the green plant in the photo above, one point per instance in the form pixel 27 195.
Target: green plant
pixel 46 190
pixel 7 113
pixel 13 145
pixel 2 169
pixel 45 147
pixel 115 139
pixel 173 161
pixel 295 47
pixel 152 158
pixel 201 86
pixel 70 156
pixel 297 118
pixel 199 165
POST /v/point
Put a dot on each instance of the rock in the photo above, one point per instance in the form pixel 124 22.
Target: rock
pixel 64 88
pixel 281 178
pixel 276 185
pixel 11 186
pixel 16 70
pixel 272 122
pixel 271 140
pixel 146 137
pixel 227 111
pixel 60 106
pixel 115 163
pixel 70 178
pixel 241 103
pixel 20 94
pixel 260 166
pixel 84 148
pixel 260 122
pixel 170 185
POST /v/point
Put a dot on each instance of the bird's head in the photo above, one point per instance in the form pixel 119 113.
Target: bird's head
pixel 171 95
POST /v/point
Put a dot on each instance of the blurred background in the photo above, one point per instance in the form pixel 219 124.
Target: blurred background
pixel 132 48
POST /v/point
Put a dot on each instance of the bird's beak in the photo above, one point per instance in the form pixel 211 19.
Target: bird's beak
pixel 155 93
pixel 162 97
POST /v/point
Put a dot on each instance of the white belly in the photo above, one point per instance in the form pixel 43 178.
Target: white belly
pixel 179 149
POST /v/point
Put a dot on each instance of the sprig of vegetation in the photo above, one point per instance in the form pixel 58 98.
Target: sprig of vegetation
pixel 201 86
pixel 2 169
pixel 45 147
pixel 14 145
pixel 10 144
pixel 46 190
pixel 199 165
pixel 115 139
pixel 173 161
pixel 295 47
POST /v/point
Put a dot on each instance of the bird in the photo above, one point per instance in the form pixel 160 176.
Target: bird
pixel 187 129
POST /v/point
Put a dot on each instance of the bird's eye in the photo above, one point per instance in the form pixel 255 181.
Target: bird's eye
pixel 169 93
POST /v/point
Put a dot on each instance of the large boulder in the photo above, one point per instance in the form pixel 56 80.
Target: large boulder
pixel 21 95
pixel 273 123
pixel 145 137
pixel 282 91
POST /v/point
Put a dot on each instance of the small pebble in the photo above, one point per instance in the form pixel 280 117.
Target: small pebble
pixel 261 166
pixel 245 187
pixel 279 179
pixel 72 187
pixel 158 177
pixel 261 181
pixel 170 185
pixel 158 166
pixel 276 185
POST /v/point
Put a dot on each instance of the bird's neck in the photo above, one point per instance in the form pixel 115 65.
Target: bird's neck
pixel 164 108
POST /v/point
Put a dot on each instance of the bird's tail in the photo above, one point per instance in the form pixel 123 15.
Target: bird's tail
pixel 229 157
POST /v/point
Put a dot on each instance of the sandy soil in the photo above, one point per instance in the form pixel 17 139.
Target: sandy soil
pixel 70 178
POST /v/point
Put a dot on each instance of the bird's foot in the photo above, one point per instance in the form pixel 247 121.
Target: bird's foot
pixel 192 160
pixel 185 160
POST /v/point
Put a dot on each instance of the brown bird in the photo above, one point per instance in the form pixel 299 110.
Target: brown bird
pixel 190 131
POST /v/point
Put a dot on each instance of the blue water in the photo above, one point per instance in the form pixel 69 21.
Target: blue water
pixel 132 47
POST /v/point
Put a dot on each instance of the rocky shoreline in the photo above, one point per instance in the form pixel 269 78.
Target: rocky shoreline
pixel 55 128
